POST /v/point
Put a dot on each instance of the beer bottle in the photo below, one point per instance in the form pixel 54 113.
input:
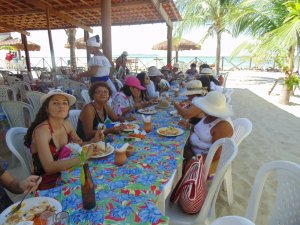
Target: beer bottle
pixel 88 189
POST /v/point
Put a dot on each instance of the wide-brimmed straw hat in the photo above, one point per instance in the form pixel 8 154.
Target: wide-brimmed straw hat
pixel 71 98
pixel 213 104
pixel 154 72
pixel 206 71
pixel 194 87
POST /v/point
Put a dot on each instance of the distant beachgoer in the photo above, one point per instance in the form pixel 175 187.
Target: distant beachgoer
pixel 8 59
pixel 121 66
pixel 99 65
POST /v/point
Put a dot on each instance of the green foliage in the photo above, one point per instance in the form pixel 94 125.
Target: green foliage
pixel 291 81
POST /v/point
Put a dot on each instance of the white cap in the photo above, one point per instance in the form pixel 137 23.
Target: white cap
pixel 94 41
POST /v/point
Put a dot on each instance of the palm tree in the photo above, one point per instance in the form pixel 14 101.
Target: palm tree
pixel 207 13
pixel 71 33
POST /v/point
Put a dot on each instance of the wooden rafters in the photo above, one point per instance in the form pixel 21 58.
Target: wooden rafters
pixel 162 12
pixel 8 26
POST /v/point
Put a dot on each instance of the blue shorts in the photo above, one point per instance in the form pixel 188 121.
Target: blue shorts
pixel 95 79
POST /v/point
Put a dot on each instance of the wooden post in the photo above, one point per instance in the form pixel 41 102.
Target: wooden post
pixel 106 29
pixel 24 42
pixel 51 43
pixel 88 55
pixel 250 64
pixel 169 51
pixel 223 63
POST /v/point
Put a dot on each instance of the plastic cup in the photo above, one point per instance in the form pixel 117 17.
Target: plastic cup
pixel 62 218
pixel 47 218
pixel 148 126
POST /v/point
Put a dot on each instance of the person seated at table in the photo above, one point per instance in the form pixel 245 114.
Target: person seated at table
pixel 191 73
pixel 123 101
pixel 48 136
pixel 207 72
pixel 161 85
pixel 145 82
pixel 97 113
pixel 214 125
pixel 188 110
pixel 10 183
pixel 168 75
pixel 177 74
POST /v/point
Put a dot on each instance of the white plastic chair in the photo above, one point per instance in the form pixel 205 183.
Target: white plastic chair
pixel 7 93
pixel 15 142
pixel 74 116
pixel 207 213
pixel 18 114
pixel 286 207
pixel 242 127
pixel 85 95
pixel 34 100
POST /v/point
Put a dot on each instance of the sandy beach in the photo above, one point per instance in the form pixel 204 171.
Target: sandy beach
pixel 275 136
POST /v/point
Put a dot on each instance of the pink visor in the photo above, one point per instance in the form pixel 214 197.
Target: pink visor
pixel 132 81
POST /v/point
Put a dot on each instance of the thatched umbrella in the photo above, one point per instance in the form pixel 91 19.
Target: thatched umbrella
pixel 17 44
pixel 79 44
pixel 177 45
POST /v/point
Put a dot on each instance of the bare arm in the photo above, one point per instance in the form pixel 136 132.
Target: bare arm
pixel 91 72
pixel 189 113
pixel 87 116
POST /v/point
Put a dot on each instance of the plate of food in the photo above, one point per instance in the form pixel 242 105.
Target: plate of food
pixel 130 127
pixel 174 113
pixel 170 131
pixel 102 151
pixel 147 111
pixel 31 208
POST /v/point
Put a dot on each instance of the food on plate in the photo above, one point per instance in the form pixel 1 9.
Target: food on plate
pixel 101 149
pixel 129 126
pixel 147 111
pixel 30 214
pixel 164 103
pixel 169 131
pixel 141 136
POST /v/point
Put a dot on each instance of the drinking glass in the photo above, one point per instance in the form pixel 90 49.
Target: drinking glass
pixel 147 126
pixel 62 218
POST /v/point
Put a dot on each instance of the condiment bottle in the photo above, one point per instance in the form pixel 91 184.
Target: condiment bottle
pixel 88 189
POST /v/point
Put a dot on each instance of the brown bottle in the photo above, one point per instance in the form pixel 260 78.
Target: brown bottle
pixel 88 189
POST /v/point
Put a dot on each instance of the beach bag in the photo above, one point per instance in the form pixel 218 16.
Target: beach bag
pixel 191 190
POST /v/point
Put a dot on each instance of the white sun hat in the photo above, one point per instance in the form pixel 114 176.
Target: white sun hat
pixel 71 98
pixel 213 104
pixel 206 71
pixel 194 87
pixel 154 72
pixel 94 41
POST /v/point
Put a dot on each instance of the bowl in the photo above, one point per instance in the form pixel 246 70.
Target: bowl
pixel 130 150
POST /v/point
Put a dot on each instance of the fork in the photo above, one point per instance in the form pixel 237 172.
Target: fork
pixel 20 204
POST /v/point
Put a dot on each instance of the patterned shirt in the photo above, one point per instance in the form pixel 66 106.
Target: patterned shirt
pixel 5 201
pixel 120 102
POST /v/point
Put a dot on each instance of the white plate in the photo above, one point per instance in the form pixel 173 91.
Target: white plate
pixel 133 128
pixel 179 132
pixel 28 204
pixel 162 107
pixel 111 150
pixel 174 113
pixel 147 111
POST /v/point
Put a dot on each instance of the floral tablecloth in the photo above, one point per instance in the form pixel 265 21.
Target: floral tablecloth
pixel 126 194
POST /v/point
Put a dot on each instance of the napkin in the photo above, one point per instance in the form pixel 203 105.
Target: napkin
pixel 123 148
pixel 76 148
pixel 146 119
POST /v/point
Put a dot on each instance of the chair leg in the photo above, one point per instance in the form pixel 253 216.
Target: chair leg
pixel 228 185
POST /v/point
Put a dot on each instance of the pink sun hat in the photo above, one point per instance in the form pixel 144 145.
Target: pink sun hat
pixel 132 81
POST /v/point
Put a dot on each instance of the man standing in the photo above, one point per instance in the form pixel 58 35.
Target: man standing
pixel 121 66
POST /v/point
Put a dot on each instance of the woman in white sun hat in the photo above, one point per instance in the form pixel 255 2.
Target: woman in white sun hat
pixel 214 125
pixel 48 136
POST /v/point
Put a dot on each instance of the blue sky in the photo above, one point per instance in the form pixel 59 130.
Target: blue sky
pixel 135 39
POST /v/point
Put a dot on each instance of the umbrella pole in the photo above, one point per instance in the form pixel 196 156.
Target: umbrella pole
pixel 176 55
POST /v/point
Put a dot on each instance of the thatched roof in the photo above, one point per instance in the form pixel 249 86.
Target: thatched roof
pixel 79 44
pixel 182 44
pixel 16 15
pixel 17 43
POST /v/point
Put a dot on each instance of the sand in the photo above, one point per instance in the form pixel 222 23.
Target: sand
pixel 275 136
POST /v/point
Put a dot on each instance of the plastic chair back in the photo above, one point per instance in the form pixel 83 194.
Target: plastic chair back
pixel 85 95
pixel 74 116
pixel 18 114
pixel 15 142
pixel 34 100
pixel 286 207
pixel 7 93
pixel 207 213
pixel 242 127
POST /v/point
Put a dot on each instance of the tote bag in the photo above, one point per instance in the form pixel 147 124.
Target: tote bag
pixel 191 189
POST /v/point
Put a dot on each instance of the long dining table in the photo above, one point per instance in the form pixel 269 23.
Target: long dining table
pixel 134 193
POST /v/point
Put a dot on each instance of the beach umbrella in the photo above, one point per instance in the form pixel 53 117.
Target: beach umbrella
pixel 79 44
pixel 177 45
pixel 16 44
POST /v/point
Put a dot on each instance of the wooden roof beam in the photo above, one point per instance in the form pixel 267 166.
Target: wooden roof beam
pixel 55 12
pixel 10 28
pixel 162 12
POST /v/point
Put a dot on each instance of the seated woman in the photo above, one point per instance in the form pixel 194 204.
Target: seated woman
pixel 144 100
pixel 123 101
pixel 97 113
pixel 48 135
pixel 17 187
pixel 188 110
pixel 207 72
pixel 161 85
pixel 215 124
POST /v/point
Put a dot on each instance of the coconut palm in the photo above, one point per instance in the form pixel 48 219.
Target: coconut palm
pixel 71 33
pixel 207 13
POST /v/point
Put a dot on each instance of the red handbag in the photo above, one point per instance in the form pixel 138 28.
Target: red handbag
pixel 191 189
